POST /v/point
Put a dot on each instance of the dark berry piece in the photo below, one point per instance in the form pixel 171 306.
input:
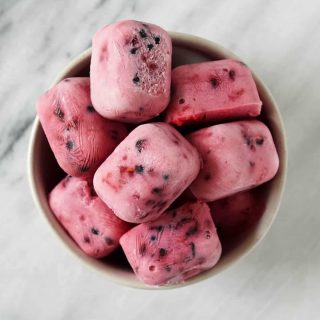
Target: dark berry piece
pixel 141 109
pixel 249 142
pixel 156 190
pixel 159 228
pixel 152 268
pixel 136 79
pixel 140 144
pixel 259 141
pixel 167 268
pixel 150 46
pixel 162 252
pixel 90 109
pixel 69 145
pixel 134 41
pixel 232 75
pixel 214 82
pixel 59 113
pixel 157 40
pixel 207 176
pixel 165 177
pixel 181 101
pixel 142 249
pixel 95 231
pixel 134 50
pixel 192 230
pixel 153 237
pixel 86 239
pixel 108 241
pixel 252 163
pixel 193 249
pixel 142 33
pixel 139 169
pixel 248 139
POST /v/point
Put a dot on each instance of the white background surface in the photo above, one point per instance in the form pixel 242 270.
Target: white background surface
pixel 39 279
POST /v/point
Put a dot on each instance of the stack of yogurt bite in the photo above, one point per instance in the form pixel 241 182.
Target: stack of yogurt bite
pixel 150 152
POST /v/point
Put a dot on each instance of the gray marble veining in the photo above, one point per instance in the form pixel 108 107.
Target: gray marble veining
pixel 279 280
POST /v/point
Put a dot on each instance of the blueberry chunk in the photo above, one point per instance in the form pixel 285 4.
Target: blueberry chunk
pixel 59 113
pixel 140 144
pixel 95 231
pixel 162 252
pixel 136 79
pixel 139 168
pixel 232 75
pixel 142 33
pixel 214 82
pixel 69 145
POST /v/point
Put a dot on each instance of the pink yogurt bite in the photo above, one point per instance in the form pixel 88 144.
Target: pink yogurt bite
pixel 235 216
pixel 130 71
pixel 215 90
pixel 149 169
pixel 177 246
pixel 236 156
pixel 87 219
pixel 79 137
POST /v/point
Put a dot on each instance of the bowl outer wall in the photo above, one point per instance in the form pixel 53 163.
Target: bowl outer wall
pixel 204 49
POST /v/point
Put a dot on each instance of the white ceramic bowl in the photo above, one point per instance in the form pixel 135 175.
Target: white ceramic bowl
pixel 44 172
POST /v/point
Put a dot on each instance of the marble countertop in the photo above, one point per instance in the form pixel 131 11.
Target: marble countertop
pixel 39 279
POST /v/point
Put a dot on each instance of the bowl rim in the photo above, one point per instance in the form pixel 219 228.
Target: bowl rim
pixel 204 46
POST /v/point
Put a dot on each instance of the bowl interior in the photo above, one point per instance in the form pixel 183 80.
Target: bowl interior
pixel 44 172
